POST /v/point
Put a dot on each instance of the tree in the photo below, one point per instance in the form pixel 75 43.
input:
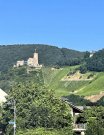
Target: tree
pixel 95 120
pixel 87 55
pixel 83 69
pixel 36 107
pixel 96 63
pixel 94 127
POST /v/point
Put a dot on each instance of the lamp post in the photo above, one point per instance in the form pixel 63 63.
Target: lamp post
pixel 13 103
pixel 14 126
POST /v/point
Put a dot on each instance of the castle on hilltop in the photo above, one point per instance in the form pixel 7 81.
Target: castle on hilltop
pixel 31 62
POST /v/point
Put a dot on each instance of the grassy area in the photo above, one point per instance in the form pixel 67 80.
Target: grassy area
pixel 53 79
pixel 43 131
pixel 94 87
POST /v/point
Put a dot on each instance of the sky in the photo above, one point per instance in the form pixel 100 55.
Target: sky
pixel 73 24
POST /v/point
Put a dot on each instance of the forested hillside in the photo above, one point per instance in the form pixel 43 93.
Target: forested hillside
pixel 48 55
pixel 96 63
pixel 16 75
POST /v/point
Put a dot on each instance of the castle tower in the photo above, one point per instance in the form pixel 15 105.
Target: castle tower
pixel 35 59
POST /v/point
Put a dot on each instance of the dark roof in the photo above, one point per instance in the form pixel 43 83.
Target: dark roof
pixel 78 108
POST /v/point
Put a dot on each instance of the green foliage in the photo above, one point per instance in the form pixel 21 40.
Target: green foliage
pixel 83 69
pixel 15 75
pixel 95 127
pixel 100 101
pixel 95 120
pixel 86 55
pixel 96 63
pixel 43 131
pixel 36 107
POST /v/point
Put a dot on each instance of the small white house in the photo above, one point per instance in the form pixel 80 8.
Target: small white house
pixel 2 96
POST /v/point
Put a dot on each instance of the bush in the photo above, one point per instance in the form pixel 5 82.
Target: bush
pixel 43 131
pixel 83 69
pixel 36 107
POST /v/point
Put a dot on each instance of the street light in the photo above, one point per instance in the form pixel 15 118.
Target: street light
pixel 14 117
pixel 14 113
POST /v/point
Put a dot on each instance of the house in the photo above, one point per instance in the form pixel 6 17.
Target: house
pixel 78 128
pixel 20 63
pixel 2 96
pixel 2 99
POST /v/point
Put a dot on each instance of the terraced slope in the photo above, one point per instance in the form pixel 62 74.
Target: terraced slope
pixel 96 86
pixel 53 79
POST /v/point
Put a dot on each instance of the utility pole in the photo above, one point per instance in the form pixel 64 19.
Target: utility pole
pixel 14 126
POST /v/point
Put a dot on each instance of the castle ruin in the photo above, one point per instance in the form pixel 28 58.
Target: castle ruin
pixel 31 62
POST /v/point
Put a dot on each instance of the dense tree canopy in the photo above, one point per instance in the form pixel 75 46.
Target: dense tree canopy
pixel 15 75
pixel 36 107
pixel 96 63
pixel 95 120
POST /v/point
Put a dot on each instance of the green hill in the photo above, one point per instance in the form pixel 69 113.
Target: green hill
pixel 54 79
pixel 48 55
pixel 94 87
pixel 96 62
pixel 15 75
pixel 82 87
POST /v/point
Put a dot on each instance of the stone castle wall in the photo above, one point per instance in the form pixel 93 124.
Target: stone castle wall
pixel 31 62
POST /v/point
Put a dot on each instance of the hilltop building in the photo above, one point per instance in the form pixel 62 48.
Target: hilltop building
pixel 31 62
pixel 20 63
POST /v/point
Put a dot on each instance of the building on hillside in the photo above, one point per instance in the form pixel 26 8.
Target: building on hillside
pixel 78 127
pixel 2 96
pixel 20 63
pixel 31 62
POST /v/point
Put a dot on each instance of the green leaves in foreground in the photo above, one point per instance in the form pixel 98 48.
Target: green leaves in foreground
pixel 37 107
pixel 95 120
pixel 43 131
